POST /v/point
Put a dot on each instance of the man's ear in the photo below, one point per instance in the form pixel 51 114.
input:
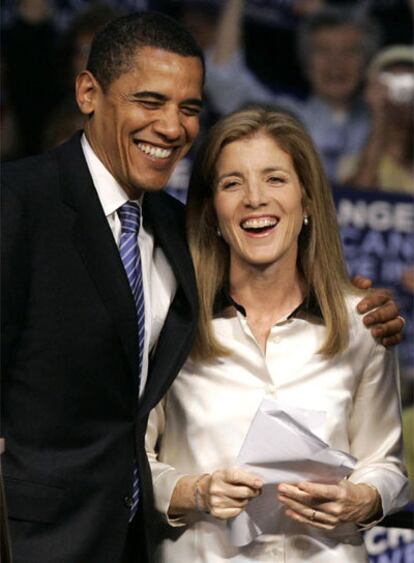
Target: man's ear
pixel 87 91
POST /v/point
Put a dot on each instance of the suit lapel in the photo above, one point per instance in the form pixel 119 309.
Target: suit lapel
pixel 94 241
pixel 166 219
pixel 95 244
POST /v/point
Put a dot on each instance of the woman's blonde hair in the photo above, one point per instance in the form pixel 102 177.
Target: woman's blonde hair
pixel 319 248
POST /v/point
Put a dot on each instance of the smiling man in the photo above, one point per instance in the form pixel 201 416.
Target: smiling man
pixel 99 303
pixel 79 378
pixel 146 119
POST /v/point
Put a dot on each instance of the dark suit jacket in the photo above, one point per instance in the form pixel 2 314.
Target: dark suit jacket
pixel 70 413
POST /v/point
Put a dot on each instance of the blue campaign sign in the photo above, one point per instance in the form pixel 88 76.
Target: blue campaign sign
pixel 377 231
pixel 390 545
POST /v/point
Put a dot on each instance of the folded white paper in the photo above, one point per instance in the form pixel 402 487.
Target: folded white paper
pixel 282 446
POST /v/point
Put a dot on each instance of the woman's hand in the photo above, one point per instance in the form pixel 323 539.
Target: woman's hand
pixel 227 491
pixel 328 506
pixel 383 314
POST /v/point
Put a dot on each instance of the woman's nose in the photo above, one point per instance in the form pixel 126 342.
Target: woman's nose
pixel 255 195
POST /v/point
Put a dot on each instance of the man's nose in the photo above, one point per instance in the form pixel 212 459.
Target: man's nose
pixel 168 124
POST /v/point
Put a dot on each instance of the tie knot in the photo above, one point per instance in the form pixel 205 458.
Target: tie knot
pixel 130 216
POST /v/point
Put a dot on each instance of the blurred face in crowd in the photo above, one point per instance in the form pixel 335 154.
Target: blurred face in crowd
pixel 336 63
pixel 397 82
pixel 201 23
pixel 146 120
pixel 258 203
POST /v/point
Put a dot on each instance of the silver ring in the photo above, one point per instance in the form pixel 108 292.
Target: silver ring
pixel 404 322
pixel 313 515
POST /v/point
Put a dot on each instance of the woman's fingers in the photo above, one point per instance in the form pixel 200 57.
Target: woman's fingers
pixel 295 493
pixel 306 514
pixel 230 490
pixel 235 483
pixel 311 493
pixel 230 496
pixel 312 518
pixel 225 513
pixel 217 501
pixel 330 505
pixel 238 476
pixel 312 503
pixel 233 491
pixel 322 491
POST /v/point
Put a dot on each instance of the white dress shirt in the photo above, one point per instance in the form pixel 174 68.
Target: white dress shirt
pixel 158 278
pixel 201 423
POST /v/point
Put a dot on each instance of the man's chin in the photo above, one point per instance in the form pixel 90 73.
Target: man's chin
pixel 136 189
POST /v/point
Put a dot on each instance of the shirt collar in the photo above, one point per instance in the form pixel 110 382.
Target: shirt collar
pixel 309 305
pixel 110 193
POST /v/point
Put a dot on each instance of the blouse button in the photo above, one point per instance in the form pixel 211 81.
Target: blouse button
pixel 271 389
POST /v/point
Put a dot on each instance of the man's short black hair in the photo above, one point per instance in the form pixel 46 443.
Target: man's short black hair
pixel 115 46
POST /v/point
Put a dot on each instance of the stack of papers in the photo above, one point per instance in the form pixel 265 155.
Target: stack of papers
pixel 282 446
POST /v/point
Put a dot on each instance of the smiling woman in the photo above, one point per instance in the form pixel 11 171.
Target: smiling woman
pixel 258 202
pixel 258 164
pixel 277 319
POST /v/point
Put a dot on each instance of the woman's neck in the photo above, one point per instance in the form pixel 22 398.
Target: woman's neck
pixel 267 294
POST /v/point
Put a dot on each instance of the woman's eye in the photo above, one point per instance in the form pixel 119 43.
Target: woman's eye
pixel 229 185
pixel 276 180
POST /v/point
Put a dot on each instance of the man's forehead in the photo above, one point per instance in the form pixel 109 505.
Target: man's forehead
pixel 154 69
pixel 148 55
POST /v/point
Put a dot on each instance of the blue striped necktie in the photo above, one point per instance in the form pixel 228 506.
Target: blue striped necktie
pixel 130 216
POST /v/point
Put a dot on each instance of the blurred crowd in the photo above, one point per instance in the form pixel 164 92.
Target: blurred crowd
pixel 346 69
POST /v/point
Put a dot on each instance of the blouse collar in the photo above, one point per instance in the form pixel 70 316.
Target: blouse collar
pixel 309 305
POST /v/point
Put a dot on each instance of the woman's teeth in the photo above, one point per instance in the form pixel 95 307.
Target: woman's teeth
pixel 157 152
pixel 259 223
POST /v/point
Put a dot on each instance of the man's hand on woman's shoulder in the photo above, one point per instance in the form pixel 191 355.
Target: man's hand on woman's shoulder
pixel 381 313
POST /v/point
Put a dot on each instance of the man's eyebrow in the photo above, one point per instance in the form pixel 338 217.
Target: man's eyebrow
pixel 193 102
pixel 147 94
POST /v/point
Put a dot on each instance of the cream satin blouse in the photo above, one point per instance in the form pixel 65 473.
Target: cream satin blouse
pixel 201 423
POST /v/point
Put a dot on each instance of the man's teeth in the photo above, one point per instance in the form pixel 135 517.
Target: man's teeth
pixel 154 151
pixel 259 223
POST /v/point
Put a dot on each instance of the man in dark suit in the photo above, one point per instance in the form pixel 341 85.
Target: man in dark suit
pixel 80 374
pixel 75 397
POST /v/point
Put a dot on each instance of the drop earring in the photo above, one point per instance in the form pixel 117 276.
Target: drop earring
pixel 218 232
pixel 306 220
